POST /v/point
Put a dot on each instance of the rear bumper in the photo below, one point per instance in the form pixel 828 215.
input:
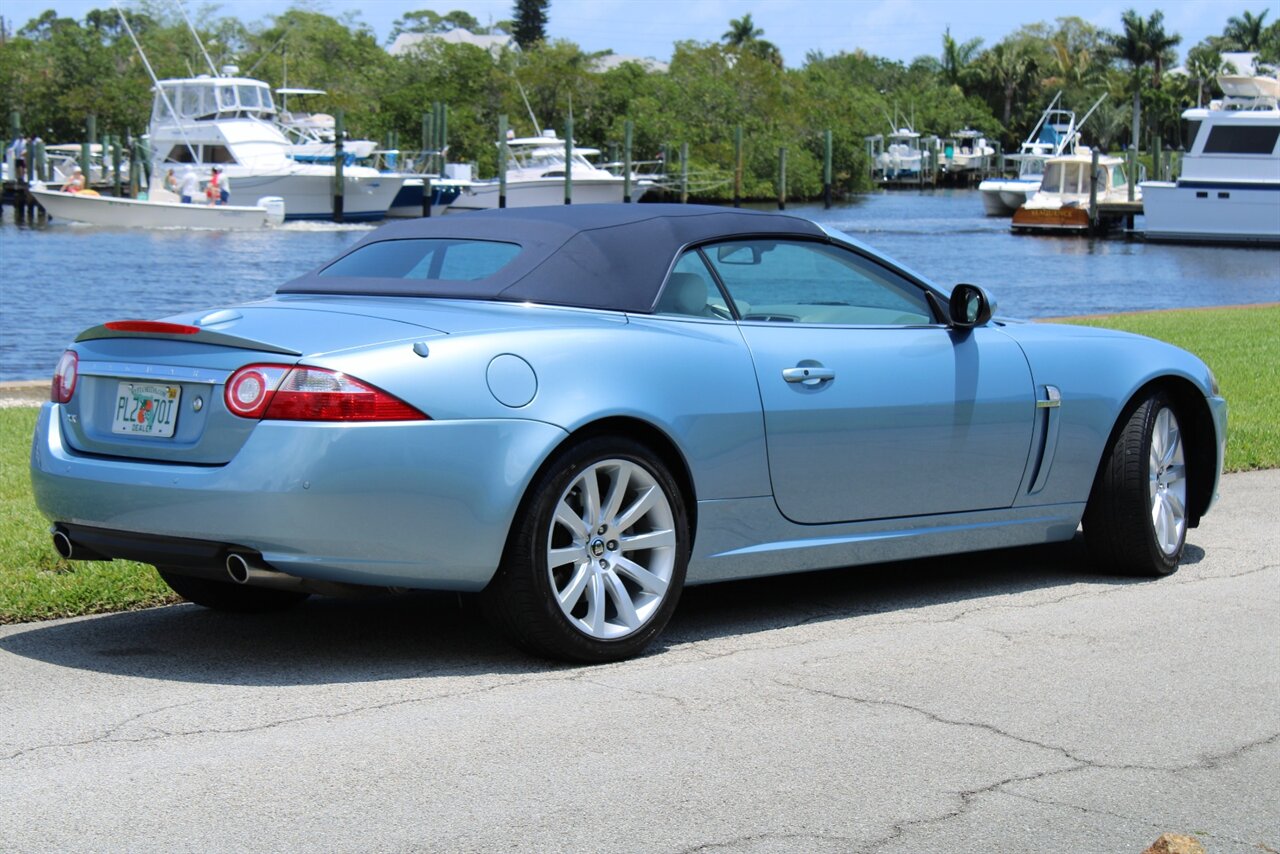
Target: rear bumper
pixel 422 504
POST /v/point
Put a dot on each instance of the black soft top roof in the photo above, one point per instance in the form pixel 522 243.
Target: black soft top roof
pixel 592 256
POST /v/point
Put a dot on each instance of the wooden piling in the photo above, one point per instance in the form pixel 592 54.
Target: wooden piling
pixel 684 173
pixel 782 178
pixel 116 163
pixel 627 129
pixel 568 159
pixel 1156 153
pixel 1093 192
pixel 135 178
pixel 339 130
pixel 91 132
pixel 826 169
pixel 737 166
pixel 502 160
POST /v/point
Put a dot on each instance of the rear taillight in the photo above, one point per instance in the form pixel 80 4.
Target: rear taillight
pixel 282 393
pixel 154 326
pixel 64 377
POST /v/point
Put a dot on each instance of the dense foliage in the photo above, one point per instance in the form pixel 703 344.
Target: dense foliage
pixel 54 71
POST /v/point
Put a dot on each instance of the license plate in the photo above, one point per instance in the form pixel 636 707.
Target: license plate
pixel 146 409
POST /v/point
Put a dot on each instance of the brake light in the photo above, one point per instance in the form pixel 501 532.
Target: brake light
pixel 64 377
pixel 282 393
pixel 151 326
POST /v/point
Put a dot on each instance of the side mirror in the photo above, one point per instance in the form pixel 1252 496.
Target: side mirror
pixel 970 306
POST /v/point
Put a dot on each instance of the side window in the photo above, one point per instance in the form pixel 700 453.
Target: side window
pixel 802 282
pixel 691 291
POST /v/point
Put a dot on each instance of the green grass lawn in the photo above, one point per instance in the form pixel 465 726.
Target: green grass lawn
pixel 36 584
pixel 1240 344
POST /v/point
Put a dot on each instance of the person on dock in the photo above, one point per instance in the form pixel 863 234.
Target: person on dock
pixel 18 148
pixel 190 186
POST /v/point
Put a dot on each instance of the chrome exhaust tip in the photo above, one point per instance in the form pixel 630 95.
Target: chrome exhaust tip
pixel 238 568
pixel 62 544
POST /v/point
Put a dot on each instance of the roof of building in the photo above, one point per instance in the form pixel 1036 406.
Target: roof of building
pixel 409 42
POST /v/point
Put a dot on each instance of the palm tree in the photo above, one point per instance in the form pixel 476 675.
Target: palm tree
pixel 741 31
pixel 1132 45
pixel 744 35
pixel 1009 67
pixel 1204 64
pixel 957 57
pixel 1160 46
pixel 1245 32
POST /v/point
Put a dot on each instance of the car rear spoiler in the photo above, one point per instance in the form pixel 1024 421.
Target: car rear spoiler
pixel 178 332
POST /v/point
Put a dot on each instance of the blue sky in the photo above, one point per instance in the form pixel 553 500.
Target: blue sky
pixel 898 29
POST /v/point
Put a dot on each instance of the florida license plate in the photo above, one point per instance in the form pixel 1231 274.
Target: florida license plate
pixel 146 409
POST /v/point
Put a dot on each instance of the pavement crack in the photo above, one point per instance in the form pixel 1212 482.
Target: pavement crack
pixel 793 841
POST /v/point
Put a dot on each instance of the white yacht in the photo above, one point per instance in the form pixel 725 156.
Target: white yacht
pixel 1054 135
pixel 1229 189
pixel 1062 202
pixel 230 122
pixel 966 151
pixel 535 176
pixel 902 157
pixel 313 133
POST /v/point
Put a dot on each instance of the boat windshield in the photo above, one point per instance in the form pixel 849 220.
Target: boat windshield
pixel 205 99
pixel 1066 178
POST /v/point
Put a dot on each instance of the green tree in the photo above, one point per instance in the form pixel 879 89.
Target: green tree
pixel 957 57
pixel 530 22
pixel 744 36
pixel 1011 68
pixel 1245 32
pixel 1204 64
pixel 1142 43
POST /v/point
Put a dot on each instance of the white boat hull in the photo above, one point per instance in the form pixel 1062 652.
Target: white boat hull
pixel 1222 214
pixel 483 195
pixel 309 195
pixel 139 213
pixel 1003 197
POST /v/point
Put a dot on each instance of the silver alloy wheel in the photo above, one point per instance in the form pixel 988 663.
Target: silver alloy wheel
pixel 611 549
pixel 1168 482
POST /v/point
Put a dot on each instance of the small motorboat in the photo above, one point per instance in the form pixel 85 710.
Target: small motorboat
pixel 1062 202
pixel 161 210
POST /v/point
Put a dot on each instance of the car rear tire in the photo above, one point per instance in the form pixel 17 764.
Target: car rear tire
pixel 596 559
pixel 1136 520
pixel 226 596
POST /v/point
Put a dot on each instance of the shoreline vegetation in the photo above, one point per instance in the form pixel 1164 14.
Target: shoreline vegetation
pixel 1239 343
pixel 57 71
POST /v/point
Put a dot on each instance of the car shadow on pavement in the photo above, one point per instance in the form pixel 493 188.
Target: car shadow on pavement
pixel 423 635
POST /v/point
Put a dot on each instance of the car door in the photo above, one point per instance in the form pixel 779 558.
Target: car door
pixel 872 408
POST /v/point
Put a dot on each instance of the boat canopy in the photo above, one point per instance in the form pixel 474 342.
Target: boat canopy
pixel 200 98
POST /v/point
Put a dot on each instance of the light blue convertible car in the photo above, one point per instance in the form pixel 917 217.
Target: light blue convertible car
pixel 576 411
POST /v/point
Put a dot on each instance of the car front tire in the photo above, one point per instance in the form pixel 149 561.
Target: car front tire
pixel 226 596
pixel 596 560
pixel 1136 520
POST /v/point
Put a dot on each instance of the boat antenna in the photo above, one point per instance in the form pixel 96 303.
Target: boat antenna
pixel 1095 106
pixel 534 118
pixel 159 89
pixel 196 36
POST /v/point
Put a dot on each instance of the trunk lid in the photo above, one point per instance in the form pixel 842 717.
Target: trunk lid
pixel 158 395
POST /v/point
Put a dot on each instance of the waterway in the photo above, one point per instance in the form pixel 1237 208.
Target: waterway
pixel 58 279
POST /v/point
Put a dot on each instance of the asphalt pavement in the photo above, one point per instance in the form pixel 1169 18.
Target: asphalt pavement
pixel 1007 701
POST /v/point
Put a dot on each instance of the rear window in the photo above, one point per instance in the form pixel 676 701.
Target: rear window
pixel 426 258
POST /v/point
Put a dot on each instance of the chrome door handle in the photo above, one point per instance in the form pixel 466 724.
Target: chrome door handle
pixel 808 376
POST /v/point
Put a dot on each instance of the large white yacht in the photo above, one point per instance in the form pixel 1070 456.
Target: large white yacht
pixel 230 122
pixel 1229 189
pixel 1054 135
pixel 535 176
